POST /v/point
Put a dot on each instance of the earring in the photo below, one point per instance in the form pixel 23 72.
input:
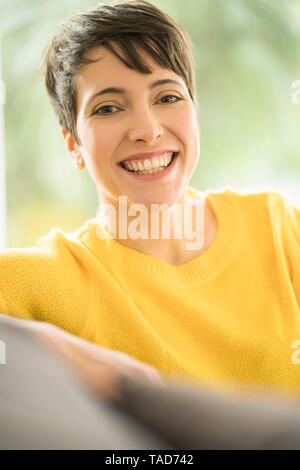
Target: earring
pixel 80 162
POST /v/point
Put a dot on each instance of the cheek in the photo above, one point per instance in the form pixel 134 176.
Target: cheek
pixel 188 131
pixel 189 134
pixel 98 144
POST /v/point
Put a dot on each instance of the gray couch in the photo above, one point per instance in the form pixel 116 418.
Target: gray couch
pixel 44 405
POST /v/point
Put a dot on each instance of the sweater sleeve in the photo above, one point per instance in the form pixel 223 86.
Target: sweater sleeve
pixel 25 277
pixel 45 283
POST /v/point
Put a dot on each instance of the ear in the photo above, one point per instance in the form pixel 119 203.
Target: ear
pixel 72 146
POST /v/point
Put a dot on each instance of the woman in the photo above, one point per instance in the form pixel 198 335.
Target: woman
pixel 223 311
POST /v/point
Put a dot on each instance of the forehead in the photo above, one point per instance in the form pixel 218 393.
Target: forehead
pixel 108 70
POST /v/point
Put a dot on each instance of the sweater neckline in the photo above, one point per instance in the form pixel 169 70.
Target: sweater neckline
pixel 199 270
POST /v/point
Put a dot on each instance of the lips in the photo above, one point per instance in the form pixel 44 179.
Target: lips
pixel 151 176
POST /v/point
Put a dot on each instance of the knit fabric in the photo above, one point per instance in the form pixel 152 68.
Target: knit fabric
pixel 229 317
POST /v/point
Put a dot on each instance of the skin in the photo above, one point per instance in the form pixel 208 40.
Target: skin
pixel 141 120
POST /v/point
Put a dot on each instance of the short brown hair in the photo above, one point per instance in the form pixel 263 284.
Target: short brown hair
pixel 129 25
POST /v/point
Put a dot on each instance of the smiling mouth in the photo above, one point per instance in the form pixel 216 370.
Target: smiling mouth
pixel 161 168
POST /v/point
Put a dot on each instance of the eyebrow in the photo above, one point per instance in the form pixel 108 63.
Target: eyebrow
pixel 122 91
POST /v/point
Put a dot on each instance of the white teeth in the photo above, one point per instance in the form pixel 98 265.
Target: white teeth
pixel 151 171
pixel 155 163
pixel 167 159
pixel 147 164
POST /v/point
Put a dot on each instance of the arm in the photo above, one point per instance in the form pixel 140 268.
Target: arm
pixel 99 367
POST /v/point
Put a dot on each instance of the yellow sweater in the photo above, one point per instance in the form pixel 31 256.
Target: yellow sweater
pixel 230 316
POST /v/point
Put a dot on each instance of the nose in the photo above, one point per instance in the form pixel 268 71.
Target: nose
pixel 144 127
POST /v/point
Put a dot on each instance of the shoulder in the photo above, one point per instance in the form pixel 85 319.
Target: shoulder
pixel 54 254
pixel 276 206
pixel 271 209
pixel 271 213
pixel 263 201
pixel 269 203
pixel 48 281
pixel 61 245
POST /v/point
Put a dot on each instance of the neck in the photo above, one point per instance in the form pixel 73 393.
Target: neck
pixel 172 232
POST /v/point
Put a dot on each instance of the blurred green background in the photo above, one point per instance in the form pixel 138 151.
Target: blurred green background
pixel 247 55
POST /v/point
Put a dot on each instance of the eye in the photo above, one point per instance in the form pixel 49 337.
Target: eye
pixel 104 108
pixel 101 111
pixel 171 96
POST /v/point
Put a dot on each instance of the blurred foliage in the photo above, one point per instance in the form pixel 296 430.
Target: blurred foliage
pixel 247 54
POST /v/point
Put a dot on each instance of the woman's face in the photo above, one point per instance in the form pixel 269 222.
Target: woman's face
pixel 114 125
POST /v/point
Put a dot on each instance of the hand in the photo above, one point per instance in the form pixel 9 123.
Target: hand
pixel 99 367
